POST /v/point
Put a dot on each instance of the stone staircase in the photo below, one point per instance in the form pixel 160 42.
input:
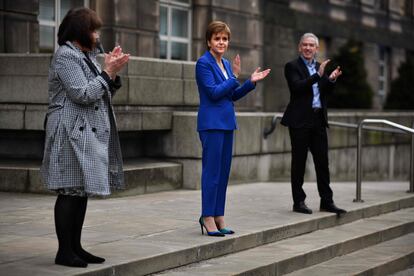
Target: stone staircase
pixel 378 245
pixel 158 234
pixel 372 239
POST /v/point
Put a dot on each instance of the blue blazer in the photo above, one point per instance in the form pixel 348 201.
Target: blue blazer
pixel 217 94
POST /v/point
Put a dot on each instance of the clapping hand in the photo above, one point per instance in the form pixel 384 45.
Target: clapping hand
pixel 236 66
pixel 321 69
pixel 335 74
pixel 258 76
pixel 115 61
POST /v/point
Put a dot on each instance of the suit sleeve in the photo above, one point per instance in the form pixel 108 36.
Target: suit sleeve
pixel 326 85
pixel 206 81
pixel 78 88
pixel 242 90
pixel 297 84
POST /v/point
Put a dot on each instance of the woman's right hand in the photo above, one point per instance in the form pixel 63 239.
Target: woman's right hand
pixel 236 66
pixel 115 61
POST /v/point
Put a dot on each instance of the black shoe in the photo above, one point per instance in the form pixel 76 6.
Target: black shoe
pixel 332 208
pixel 301 208
pixel 69 260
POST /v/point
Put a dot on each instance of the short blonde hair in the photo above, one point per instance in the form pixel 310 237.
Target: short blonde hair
pixel 216 27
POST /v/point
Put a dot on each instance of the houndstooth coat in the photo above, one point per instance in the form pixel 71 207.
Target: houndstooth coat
pixel 82 145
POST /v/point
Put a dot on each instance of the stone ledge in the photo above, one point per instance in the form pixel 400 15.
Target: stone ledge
pixel 31 117
pixel 141 176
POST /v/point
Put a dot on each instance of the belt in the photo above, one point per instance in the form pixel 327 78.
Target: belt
pixel 317 109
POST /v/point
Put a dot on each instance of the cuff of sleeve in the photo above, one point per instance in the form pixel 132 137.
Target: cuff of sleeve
pixel 106 77
pixel 116 84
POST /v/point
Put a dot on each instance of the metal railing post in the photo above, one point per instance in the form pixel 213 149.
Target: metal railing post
pixel 411 188
pixel 359 163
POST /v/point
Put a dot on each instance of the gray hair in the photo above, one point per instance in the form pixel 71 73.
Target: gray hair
pixel 306 35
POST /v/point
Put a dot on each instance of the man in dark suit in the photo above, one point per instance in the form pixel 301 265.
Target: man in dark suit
pixel 306 117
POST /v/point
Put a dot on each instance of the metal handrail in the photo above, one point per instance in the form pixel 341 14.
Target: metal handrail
pixel 359 148
pixel 397 128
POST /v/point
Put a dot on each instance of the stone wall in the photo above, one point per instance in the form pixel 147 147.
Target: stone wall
pixel 156 114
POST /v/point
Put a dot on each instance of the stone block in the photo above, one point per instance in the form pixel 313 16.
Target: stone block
pixel 249 134
pixel 157 120
pixel 149 177
pixel 278 140
pixel 121 96
pixel 183 141
pixel 23 89
pixel 244 169
pixel 144 67
pixel 279 168
pixel 129 120
pixel 191 96
pixel 34 117
pixel 191 173
pixel 36 182
pixel 172 69
pixel 11 116
pixel 153 91
pixel 13 180
pixel 25 64
pixel 188 70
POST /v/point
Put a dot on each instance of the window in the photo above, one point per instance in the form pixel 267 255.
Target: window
pixel 383 73
pixel 51 13
pixel 175 29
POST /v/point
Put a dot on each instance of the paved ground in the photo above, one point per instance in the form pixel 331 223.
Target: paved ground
pixel 124 229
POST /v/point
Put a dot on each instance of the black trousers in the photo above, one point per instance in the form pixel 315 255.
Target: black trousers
pixel 314 138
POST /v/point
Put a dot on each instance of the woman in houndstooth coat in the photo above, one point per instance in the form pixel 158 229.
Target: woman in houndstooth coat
pixel 82 154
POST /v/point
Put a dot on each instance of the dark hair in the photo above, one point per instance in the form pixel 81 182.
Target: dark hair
pixel 78 25
pixel 216 27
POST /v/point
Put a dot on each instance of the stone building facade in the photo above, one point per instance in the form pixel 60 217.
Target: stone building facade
pixel 264 33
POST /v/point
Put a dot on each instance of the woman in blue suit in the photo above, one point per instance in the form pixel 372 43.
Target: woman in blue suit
pixel 218 88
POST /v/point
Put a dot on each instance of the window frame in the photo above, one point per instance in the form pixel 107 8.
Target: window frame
pixel 171 5
pixel 55 23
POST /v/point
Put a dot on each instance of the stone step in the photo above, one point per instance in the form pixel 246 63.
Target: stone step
pixel 145 234
pixel 141 176
pixel 381 259
pixel 178 247
pixel 292 254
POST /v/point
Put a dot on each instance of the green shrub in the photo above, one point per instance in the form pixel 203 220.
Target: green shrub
pixel 401 95
pixel 352 89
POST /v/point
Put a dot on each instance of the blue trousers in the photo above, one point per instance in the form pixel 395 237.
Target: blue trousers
pixel 216 162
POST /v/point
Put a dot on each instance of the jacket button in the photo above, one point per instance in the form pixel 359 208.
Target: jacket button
pixel 96 108
pixel 93 129
pixel 81 128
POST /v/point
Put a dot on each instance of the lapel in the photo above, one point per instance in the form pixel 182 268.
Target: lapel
pixel 303 67
pixel 216 67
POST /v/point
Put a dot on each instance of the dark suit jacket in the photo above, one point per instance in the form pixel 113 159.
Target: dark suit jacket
pixel 299 110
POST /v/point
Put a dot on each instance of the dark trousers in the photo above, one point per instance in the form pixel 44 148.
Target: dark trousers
pixel 313 138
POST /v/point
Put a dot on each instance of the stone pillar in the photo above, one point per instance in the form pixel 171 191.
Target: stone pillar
pixel 19 25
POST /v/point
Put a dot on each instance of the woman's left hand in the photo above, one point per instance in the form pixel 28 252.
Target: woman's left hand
pixel 258 76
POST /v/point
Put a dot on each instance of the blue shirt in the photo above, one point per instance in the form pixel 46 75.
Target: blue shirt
pixel 311 65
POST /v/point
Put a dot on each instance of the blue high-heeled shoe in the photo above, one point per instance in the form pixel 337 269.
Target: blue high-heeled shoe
pixel 213 233
pixel 226 231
